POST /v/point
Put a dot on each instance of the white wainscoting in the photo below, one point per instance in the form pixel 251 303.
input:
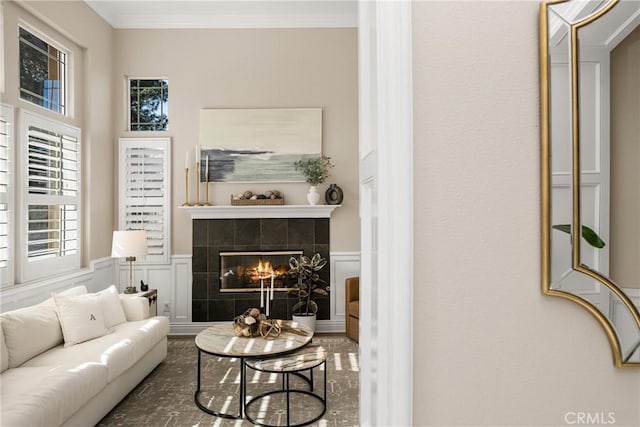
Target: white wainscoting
pixel 173 282
pixel 97 276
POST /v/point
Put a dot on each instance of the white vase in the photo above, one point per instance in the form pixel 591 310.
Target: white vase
pixel 308 320
pixel 313 196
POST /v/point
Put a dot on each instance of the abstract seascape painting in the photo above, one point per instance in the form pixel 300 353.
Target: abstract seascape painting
pixel 258 145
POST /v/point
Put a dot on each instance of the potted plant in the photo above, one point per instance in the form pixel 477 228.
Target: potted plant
pixel 308 284
pixel 315 170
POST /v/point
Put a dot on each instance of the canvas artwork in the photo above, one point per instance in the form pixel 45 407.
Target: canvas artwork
pixel 258 145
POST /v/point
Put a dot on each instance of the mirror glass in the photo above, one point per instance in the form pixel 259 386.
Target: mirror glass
pixel 590 63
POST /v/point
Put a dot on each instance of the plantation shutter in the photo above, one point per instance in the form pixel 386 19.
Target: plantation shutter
pixel 50 152
pixel 145 193
pixel 6 195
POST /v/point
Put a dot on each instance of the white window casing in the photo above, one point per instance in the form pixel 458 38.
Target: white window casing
pixel 145 193
pixel 7 201
pixel 50 235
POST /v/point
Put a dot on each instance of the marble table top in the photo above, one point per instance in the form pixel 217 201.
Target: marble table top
pixel 300 360
pixel 221 341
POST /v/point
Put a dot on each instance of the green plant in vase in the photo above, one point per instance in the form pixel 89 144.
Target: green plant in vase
pixel 315 171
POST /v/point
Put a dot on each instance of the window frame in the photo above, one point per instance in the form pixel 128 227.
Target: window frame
pixel 127 97
pixel 68 70
pixel 56 265
pixel 163 143
pixel 7 273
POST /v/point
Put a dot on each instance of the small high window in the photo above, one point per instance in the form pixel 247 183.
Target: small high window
pixel 43 73
pixel 149 106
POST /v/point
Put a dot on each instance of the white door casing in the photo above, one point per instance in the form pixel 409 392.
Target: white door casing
pixel 386 213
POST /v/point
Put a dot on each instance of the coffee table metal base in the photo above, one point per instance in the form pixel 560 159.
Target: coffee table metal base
pixel 203 407
pixel 288 391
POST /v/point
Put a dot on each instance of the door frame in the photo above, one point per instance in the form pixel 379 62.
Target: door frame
pixel 386 212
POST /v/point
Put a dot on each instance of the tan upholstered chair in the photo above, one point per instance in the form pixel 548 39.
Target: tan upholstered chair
pixel 353 307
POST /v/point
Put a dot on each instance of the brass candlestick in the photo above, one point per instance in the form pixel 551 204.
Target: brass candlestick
pixel 186 187
pixel 197 203
pixel 206 188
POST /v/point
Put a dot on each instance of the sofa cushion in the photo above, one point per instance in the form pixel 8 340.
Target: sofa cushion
pixel 81 317
pixel 47 396
pixel 111 307
pixel 31 330
pixel 118 351
pixel 4 352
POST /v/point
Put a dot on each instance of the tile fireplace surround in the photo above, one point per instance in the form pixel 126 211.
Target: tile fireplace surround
pixel 214 235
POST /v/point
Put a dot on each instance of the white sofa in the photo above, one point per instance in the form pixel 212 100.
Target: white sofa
pixel 45 383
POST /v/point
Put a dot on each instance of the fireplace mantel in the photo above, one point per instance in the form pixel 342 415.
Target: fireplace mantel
pixel 265 211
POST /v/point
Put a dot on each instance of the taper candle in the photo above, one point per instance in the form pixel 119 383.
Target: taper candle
pixel 261 293
pixel 271 286
pixel 186 160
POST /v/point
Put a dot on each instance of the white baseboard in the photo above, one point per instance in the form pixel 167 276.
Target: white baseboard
pixel 193 328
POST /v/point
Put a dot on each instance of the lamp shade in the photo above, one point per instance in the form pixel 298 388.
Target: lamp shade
pixel 129 243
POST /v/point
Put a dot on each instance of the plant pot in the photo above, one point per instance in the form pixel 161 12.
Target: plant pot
pixel 308 320
pixel 313 196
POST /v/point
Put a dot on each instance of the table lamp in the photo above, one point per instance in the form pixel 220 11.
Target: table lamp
pixel 129 244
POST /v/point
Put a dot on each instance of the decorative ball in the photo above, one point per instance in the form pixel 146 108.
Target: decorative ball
pixel 248 194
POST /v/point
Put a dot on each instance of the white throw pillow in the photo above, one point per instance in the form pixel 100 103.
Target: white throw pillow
pixel 81 318
pixel 111 307
pixel 32 330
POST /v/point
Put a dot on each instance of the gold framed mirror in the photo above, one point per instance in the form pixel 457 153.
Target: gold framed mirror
pixel 590 142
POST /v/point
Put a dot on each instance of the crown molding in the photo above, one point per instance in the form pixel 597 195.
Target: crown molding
pixel 226 14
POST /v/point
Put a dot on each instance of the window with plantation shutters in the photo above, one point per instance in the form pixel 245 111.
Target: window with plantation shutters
pixel 6 195
pixel 145 193
pixel 50 155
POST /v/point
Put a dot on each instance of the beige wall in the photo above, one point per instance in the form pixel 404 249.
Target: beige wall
pixel 490 349
pixel 625 162
pixel 251 69
pixel 91 40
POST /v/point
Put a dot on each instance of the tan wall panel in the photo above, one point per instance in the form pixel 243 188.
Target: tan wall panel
pixel 251 69
pixel 489 348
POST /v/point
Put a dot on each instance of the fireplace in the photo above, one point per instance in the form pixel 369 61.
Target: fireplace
pixel 212 302
pixel 243 271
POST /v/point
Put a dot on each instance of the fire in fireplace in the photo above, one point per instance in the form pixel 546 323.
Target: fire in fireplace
pixel 243 271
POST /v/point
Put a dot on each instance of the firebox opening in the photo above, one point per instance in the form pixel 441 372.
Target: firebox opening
pixel 244 271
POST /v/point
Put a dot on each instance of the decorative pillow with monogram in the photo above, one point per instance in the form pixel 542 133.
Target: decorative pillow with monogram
pixel 81 318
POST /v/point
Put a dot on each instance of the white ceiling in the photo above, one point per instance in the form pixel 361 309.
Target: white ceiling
pixel 227 13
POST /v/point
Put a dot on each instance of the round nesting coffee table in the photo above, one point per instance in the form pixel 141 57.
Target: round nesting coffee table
pixel 219 340
pixel 305 359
